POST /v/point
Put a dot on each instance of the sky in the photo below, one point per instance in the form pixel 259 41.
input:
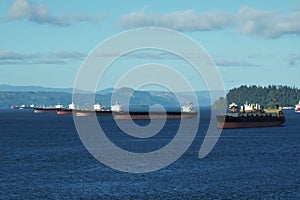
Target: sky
pixel 252 42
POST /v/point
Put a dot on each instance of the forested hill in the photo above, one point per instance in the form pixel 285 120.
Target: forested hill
pixel 105 97
pixel 265 96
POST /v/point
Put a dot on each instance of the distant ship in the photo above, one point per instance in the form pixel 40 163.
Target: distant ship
pixel 23 106
pixel 297 107
pixel 67 111
pixel 98 110
pixel 186 112
pixel 55 108
pixel 118 113
pixel 251 115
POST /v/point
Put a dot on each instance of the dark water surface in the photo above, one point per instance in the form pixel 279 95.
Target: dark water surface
pixel 42 157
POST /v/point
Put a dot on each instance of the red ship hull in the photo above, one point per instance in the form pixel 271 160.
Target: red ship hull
pixel 85 113
pixel 65 112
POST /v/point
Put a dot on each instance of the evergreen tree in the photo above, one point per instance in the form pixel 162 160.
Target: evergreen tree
pixel 266 96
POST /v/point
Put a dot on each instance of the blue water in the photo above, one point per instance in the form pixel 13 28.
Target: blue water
pixel 42 157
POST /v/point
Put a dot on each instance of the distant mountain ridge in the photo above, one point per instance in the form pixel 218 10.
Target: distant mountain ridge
pixel 42 96
pixel 10 88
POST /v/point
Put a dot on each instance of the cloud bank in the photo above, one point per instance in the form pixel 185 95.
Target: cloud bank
pixel 11 55
pixel 184 20
pixel 8 57
pixel 247 21
pixel 235 63
pixel 39 13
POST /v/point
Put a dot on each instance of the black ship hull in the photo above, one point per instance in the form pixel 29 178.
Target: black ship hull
pixel 46 110
pixel 153 115
pixel 138 115
pixel 84 113
pixel 250 120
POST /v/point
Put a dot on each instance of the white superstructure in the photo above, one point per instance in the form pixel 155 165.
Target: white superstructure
pixel 233 107
pixel 98 107
pixel 59 106
pixel 116 108
pixel 187 108
pixel 250 107
pixel 72 106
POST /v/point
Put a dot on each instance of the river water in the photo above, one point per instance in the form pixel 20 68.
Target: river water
pixel 42 157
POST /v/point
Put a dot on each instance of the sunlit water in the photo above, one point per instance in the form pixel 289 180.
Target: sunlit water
pixel 43 157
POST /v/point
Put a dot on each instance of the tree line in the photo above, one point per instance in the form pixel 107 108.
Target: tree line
pixel 267 96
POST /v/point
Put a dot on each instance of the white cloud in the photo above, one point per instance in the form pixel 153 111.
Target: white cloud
pixel 49 61
pixel 11 62
pixel 39 13
pixel 148 53
pixel 152 54
pixel 235 63
pixel 24 9
pixel 8 57
pixel 144 54
pixel 11 55
pixel 247 21
pixel 189 20
pixel 269 24
pixel 182 20
pixel 69 54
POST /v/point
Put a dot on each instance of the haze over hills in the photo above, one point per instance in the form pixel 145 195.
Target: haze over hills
pixel 43 96
pixel 33 89
pixel 11 88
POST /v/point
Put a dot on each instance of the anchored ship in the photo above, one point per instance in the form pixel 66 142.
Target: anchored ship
pixel 255 117
pixel 119 114
pixel 55 108
pixel 67 111
pixel 23 106
pixel 186 112
pixel 98 110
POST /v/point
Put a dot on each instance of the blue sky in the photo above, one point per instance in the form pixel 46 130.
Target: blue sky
pixel 252 42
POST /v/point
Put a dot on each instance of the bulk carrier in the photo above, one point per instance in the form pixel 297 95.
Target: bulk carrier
pixel 116 110
pixel 187 112
pixel 251 115
pixel 55 108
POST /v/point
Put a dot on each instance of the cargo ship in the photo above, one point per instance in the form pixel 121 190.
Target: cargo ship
pixel 22 107
pixel 250 118
pixel 55 108
pixel 141 115
pixel 297 107
pixel 187 112
pixel 86 113
pixel 98 110
pixel 67 111
pixel 119 114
